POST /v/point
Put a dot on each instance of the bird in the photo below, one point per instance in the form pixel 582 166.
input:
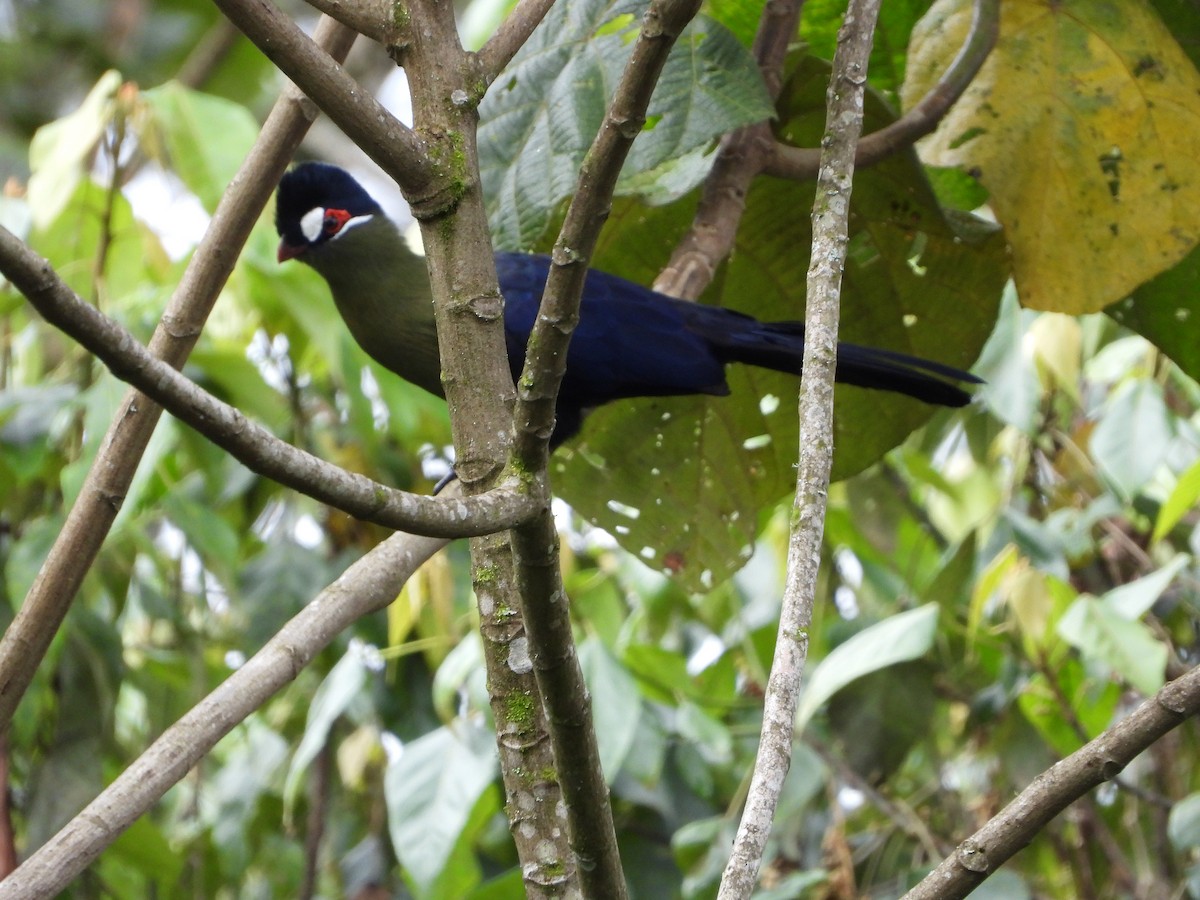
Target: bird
pixel 630 340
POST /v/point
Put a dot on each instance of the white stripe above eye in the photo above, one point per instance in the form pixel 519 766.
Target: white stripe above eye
pixel 350 223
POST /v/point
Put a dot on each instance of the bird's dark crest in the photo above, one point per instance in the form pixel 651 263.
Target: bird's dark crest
pixel 310 185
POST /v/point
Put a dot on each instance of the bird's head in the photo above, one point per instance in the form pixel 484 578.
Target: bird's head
pixel 318 204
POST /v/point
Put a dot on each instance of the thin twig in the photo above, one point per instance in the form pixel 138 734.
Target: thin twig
pixel 843 124
pixel 367 586
pixel 800 163
pixel 1055 789
pixel 209 52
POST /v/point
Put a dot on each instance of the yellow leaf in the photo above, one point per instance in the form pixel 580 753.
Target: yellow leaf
pixel 1084 126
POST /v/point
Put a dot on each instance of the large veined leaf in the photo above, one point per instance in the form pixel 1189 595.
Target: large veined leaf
pixel 1082 126
pixel 681 481
pixel 541 115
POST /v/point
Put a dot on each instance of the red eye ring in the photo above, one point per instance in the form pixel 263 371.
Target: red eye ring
pixel 334 221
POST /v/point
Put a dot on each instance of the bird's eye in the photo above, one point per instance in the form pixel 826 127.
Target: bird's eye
pixel 331 225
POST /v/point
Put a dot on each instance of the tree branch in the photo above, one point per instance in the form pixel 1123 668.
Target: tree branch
pixel 371 18
pixel 512 34
pixel 800 163
pixel 228 428
pixel 831 212
pixel 367 586
pixel 1055 789
pixel 29 635
pixel 742 155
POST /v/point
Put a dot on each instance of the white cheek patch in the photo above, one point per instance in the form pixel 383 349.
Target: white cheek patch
pixel 312 222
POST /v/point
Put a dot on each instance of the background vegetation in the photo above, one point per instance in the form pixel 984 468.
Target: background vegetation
pixel 1001 586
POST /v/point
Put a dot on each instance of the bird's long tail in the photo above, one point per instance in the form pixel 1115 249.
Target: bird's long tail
pixel 780 346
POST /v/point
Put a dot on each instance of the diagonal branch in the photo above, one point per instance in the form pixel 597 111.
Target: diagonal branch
pixel 371 18
pixel 369 585
pixel 512 34
pixel 831 214
pixel 740 159
pixel 29 634
pixel 559 312
pixel 228 428
pixel 800 163
pixel 1057 788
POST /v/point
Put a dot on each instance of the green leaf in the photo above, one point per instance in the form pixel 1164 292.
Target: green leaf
pixel 135 266
pixel 1179 503
pixel 145 847
pixel 61 152
pixel 212 537
pixel 955 188
pixel 1166 311
pixel 1183 824
pixel 1090 697
pixel 430 791
pixel 1130 649
pixel 341 686
pixel 462 668
pixel 1013 392
pixel 901 638
pixel 663 675
pixel 1134 599
pixel 706 734
pixel 253 767
pixel 202 138
pixel 616 704
pixel 541 115
pixel 822 18
pixel 1134 434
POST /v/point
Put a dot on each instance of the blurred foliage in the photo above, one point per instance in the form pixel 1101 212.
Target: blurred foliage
pixel 1000 588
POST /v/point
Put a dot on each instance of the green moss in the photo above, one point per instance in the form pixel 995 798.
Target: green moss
pixel 520 710
pixel 488 574
pixel 554 868
pixel 400 15
pixel 458 163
